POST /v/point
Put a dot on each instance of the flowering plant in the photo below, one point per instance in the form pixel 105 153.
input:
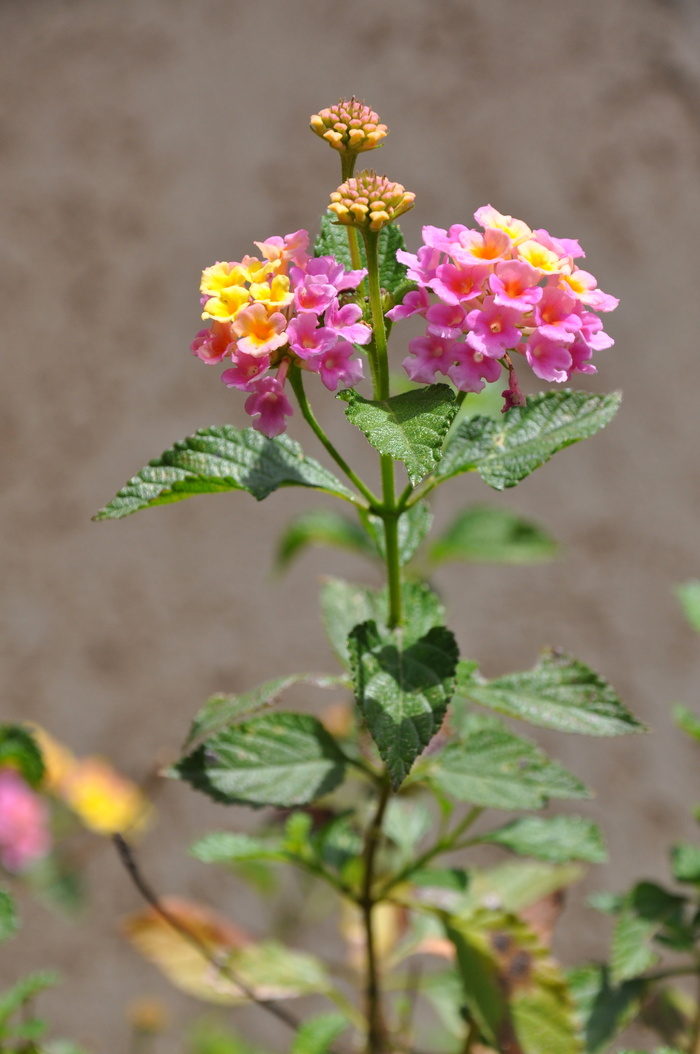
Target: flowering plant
pixel 378 801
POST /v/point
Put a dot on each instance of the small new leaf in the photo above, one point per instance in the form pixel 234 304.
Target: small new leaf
pixel 344 605
pixel 689 596
pixel 321 527
pixel 505 452
pixel 493 768
pixel 557 839
pixel 410 427
pixel 560 692
pixel 8 916
pixel 18 749
pixel 485 534
pixel 604 1008
pixel 221 459
pixel 317 1033
pixel 402 690
pixel 222 710
pixel 279 759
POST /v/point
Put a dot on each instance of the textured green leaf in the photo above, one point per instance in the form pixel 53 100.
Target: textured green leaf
pixel 685 863
pixel 402 690
pixel 278 759
pixel 230 847
pixel 8 916
pixel 689 596
pixel 630 953
pixel 18 749
pixel 221 459
pixel 513 990
pixel 221 710
pixel 316 1035
pixel 20 993
pixel 485 534
pixel 505 452
pixel 321 527
pixel 333 241
pixel 410 427
pixel 345 604
pixel 687 721
pixel 554 838
pixel 493 768
pixel 414 525
pixel 604 1009
pixel 560 692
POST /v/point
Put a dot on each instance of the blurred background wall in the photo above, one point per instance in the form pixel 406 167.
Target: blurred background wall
pixel 143 139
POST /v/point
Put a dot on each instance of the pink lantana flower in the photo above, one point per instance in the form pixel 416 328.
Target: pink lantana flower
pixel 473 369
pixel 337 367
pixel 345 322
pixel 290 249
pixel 430 355
pixel 307 338
pixel 416 302
pixel 24 830
pixel 455 284
pixel 259 332
pixel 516 284
pixel 247 368
pixel 556 316
pixel 211 345
pixel 493 328
pixel 268 406
pixel 314 293
pixel 421 265
pixel 445 320
pixel 549 360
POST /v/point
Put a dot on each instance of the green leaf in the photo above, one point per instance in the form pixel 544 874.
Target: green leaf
pixel 278 759
pixel 229 847
pixel 560 692
pixel 485 534
pixel 687 721
pixel 605 1009
pixel 402 690
pixel 20 993
pixel 409 427
pixel 453 878
pixel 18 750
pixel 406 823
pixel 518 885
pixel 493 768
pixel 333 241
pixel 555 838
pixel 317 1034
pixel 321 527
pixel 685 863
pixel 9 921
pixel 630 954
pixel 413 526
pixel 689 596
pixel 221 459
pixel 345 605
pixel 222 710
pixel 505 452
pixel 513 990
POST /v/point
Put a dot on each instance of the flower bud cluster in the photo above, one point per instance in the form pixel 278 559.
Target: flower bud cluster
pixel 370 201
pixel 506 289
pixel 350 126
pixel 280 308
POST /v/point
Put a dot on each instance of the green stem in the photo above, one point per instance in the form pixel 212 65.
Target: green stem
pixel 297 383
pixel 347 167
pixel 376 1029
pixel 371 240
pixel 444 845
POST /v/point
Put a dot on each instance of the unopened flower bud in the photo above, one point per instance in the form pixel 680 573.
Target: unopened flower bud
pixel 370 201
pixel 349 126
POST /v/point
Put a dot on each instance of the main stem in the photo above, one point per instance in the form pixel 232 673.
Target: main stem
pixel 391 512
pixel 376 1029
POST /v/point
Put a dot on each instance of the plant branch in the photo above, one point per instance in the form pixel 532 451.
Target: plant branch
pixel 444 845
pixel 128 859
pixel 297 383
pixel 376 1030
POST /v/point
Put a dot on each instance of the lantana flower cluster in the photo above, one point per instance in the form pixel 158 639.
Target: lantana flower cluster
pixel 24 823
pixel 506 289
pixel 281 308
